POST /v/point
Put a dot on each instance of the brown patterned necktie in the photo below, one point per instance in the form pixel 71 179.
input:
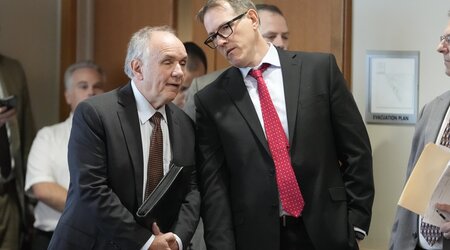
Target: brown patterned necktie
pixel 431 233
pixel 5 154
pixel 155 159
pixel 288 188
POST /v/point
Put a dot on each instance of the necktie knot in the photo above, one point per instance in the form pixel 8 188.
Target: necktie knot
pixel 257 73
pixel 156 118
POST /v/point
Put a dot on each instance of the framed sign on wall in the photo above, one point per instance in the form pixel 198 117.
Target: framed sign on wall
pixel 392 84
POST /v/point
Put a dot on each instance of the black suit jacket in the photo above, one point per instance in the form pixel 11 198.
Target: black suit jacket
pixel 106 172
pixel 329 149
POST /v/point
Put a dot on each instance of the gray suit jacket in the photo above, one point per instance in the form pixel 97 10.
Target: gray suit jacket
pixel 106 176
pixel 13 82
pixel 198 84
pixel 405 232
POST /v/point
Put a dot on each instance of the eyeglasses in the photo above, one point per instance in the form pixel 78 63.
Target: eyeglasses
pixel 224 31
pixel 445 38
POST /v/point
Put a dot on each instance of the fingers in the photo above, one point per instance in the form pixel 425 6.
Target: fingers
pixel 6 115
pixel 446 235
pixel 443 207
pixel 155 229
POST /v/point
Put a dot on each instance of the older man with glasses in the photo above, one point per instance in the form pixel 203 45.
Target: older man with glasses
pixel 409 232
pixel 285 159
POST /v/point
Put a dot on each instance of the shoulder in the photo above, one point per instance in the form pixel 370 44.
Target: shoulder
pixel 179 114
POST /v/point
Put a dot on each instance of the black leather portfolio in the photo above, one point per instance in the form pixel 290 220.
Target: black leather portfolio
pixel 162 205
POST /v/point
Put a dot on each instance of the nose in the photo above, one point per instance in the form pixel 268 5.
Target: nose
pixel 91 91
pixel 443 47
pixel 220 41
pixel 178 71
pixel 278 41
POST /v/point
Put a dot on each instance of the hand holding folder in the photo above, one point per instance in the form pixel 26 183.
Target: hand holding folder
pixel 163 199
pixel 428 184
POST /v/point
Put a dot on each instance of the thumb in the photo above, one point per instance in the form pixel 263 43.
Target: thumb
pixel 443 207
pixel 155 229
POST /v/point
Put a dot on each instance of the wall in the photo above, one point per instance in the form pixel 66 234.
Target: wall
pixel 395 25
pixel 28 33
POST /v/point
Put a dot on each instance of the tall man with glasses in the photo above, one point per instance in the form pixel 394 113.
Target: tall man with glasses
pixel 408 231
pixel 273 28
pixel 285 159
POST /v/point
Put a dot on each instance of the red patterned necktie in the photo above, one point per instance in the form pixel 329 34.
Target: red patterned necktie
pixel 155 158
pixel 288 188
pixel 432 233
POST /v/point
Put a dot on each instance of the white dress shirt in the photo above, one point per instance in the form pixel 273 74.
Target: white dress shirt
pixel 47 162
pixel 145 112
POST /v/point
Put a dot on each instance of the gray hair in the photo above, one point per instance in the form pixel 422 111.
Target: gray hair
pixel 238 6
pixel 86 64
pixel 138 45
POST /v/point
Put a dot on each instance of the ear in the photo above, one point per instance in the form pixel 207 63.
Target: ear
pixel 68 96
pixel 253 15
pixel 136 67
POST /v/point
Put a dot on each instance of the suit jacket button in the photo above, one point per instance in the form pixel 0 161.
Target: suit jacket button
pixel 414 235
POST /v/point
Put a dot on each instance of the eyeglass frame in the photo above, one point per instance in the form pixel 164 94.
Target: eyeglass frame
pixel 211 38
pixel 445 38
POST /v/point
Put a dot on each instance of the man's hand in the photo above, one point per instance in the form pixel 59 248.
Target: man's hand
pixel 445 227
pixel 6 115
pixel 162 241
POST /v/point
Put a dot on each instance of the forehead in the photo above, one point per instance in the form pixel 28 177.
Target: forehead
pixel 217 16
pixel 85 73
pixel 271 20
pixel 165 44
pixel 447 29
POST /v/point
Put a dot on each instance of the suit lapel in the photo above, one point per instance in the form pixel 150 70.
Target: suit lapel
pixel 129 122
pixel 436 119
pixel 290 67
pixel 174 132
pixel 234 85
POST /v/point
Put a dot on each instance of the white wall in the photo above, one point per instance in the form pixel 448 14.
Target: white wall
pixel 395 25
pixel 28 33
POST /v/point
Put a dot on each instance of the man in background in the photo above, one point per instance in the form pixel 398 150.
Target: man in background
pixel 47 177
pixel 121 145
pixel 196 66
pixel 408 231
pixel 274 29
pixel 16 134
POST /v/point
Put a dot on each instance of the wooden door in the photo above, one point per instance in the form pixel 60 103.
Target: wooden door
pixel 116 21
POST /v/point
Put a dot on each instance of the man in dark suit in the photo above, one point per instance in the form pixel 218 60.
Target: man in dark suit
pixel 309 185
pixel 112 158
pixel 407 233
pixel 16 135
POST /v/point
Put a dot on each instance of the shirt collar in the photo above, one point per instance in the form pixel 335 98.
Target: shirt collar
pixel 145 110
pixel 271 58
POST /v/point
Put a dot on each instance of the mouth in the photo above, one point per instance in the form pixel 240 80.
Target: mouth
pixel 173 85
pixel 228 51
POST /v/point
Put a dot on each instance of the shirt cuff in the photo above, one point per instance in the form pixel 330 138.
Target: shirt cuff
pixel 149 242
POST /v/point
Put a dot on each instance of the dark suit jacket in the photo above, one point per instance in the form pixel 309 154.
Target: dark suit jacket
pixel 329 149
pixel 405 231
pixel 106 172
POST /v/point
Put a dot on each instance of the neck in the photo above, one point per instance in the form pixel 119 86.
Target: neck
pixel 260 50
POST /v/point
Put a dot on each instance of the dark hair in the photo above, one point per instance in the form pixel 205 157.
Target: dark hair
pixel 269 7
pixel 195 55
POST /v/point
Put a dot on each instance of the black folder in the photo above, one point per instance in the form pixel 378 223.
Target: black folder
pixel 163 203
